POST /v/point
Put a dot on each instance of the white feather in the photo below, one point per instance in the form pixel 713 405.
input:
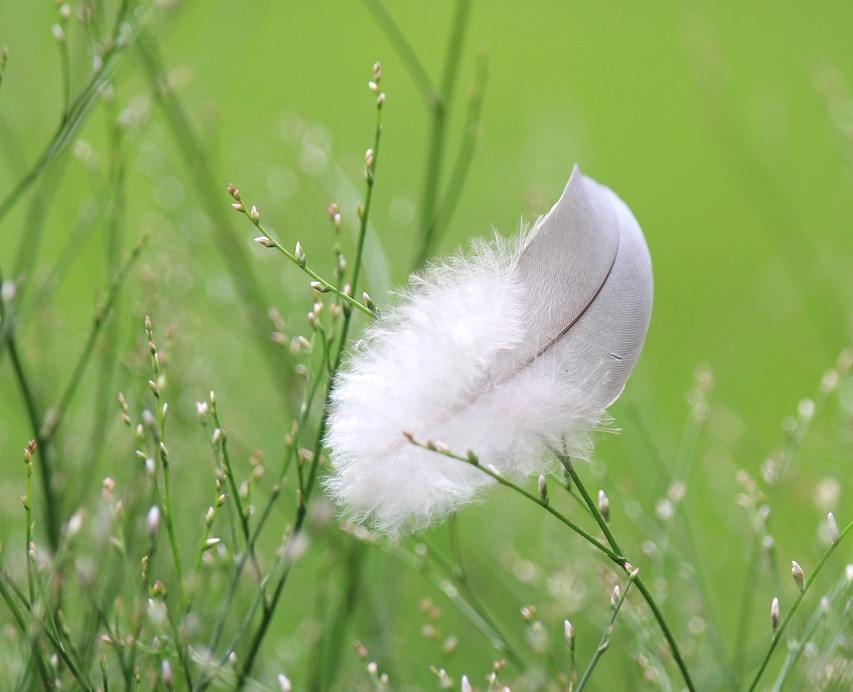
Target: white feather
pixel 506 350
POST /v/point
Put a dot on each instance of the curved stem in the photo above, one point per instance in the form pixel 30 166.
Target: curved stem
pixel 604 642
pixel 641 587
pixel 777 635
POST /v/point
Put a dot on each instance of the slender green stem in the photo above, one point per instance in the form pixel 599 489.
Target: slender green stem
pixel 607 635
pixel 9 598
pixel 65 61
pixel 641 587
pixel 28 518
pixel 25 625
pixel 474 603
pixel 323 285
pixel 205 185
pixel 58 413
pixel 777 635
pixel 462 604
pixel 795 648
pixel 290 453
pixel 163 456
pixel 404 49
pixel 235 491
pixel 440 109
pixel 370 171
pixel 465 156
pixel 77 112
pixel 51 501
pixel 790 449
pixel 4 56
pixel 503 480
pixel 305 491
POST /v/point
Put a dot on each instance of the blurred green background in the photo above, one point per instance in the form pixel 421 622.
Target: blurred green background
pixel 726 127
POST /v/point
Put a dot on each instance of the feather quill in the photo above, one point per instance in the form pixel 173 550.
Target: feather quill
pixel 509 349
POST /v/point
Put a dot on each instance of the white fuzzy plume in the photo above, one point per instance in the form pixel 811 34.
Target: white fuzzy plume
pixel 507 350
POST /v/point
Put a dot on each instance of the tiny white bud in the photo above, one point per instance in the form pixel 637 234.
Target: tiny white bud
pixel 372 667
pixel 614 597
pixel 254 214
pixel 210 516
pixel 833 527
pixel 604 505
pixel 799 575
pixel 153 521
pixel 75 523
pixel 466 686
pixel 543 489
pixel 299 254
pixel 58 33
pixel 284 683
pixel 211 543
pixel 569 631
pixel 263 241
pixel 168 678
pixel 8 291
pixel 774 614
pixel 373 86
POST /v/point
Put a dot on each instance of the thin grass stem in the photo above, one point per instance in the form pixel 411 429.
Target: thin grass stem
pixel 323 286
pixel 205 185
pixel 51 501
pixel 503 480
pixel 465 155
pixel 57 414
pixel 777 635
pixel 641 587
pixel 76 114
pixel 607 635
pixel 404 50
pixel 440 110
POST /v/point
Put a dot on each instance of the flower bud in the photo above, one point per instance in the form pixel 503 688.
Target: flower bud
pixel 569 631
pixel 604 505
pixel 799 575
pixel 774 614
pixel 833 527
pixel 152 521
pixel 614 597
pixel 543 489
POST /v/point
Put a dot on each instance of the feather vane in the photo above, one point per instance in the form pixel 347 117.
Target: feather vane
pixel 509 349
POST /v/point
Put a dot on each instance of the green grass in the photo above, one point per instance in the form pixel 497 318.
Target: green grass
pixel 727 130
